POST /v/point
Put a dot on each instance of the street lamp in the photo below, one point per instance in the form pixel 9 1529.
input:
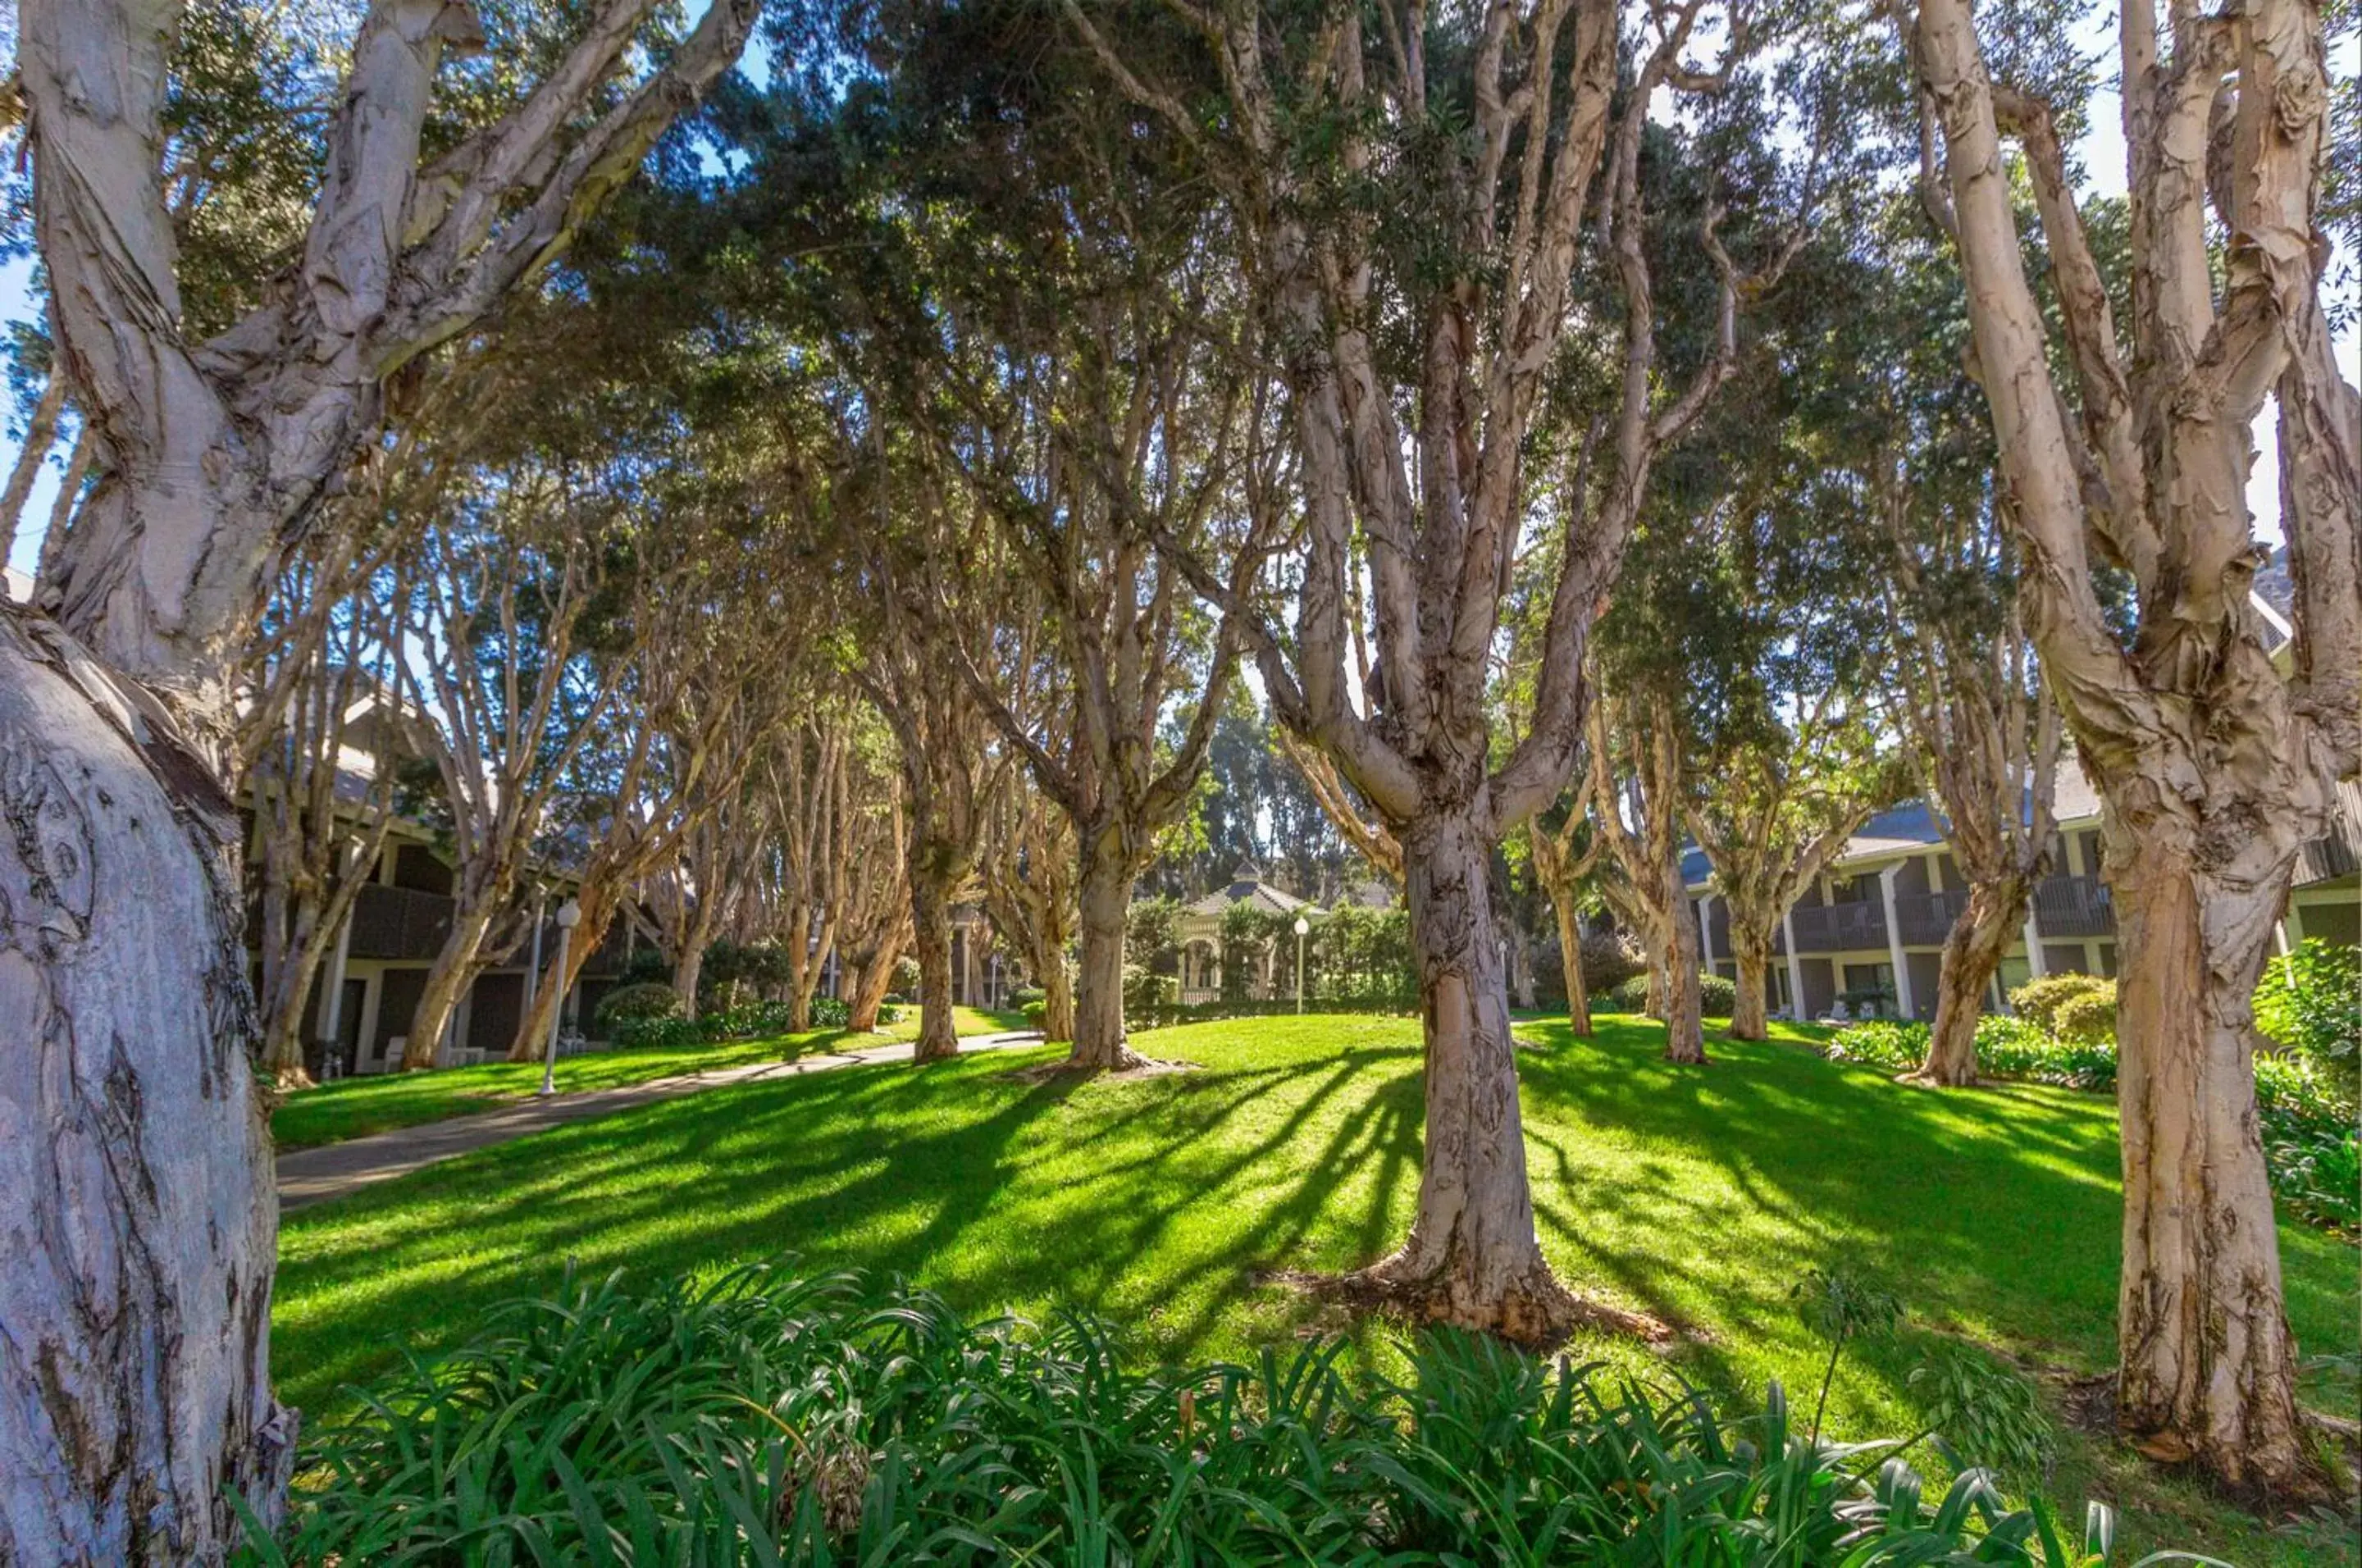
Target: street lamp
pixel 569 915
pixel 1302 927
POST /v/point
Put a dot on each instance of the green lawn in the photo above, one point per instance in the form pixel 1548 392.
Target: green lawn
pixel 1698 1196
pixel 967 1021
pixel 355 1108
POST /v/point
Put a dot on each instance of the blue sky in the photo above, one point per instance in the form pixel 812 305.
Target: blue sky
pixel 2103 154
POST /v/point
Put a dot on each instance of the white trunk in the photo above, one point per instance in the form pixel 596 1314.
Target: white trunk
pixel 134 1151
pixel 454 969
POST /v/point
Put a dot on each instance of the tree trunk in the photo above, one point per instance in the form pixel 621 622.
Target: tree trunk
pixel 1057 999
pixel 689 969
pixel 1750 1013
pixel 2209 1367
pixel 139 1235
pixel 930 924
pixel 1471 1257
pixel 1521 967
pixel 532 1042
pixel 1972 951
pixel 871 983
pixel 448 980
pixel 40 435
pixel 1100 1039
pixel 1570 959
pixel 1684 1008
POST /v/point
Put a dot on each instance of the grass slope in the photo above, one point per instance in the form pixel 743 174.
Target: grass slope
pixel 1700 1196
pixel 355 1108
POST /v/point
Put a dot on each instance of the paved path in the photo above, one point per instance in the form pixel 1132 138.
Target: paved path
pixel 314 1176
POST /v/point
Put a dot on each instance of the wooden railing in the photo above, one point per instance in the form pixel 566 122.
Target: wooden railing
pixel 398 923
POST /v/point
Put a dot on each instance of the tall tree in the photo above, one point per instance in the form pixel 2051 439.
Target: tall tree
pixel 144 1245
pixel 2124 447
pixel 1639 787
pixel 1418 280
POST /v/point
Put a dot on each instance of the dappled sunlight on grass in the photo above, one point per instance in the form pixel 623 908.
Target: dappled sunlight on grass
pixel 1698 1196
pixel 355 1108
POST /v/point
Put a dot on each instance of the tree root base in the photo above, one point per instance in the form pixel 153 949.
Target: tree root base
pixel 1538 1313
pixel 1924 1080
pixel 1130 1065
pixel 2090 1409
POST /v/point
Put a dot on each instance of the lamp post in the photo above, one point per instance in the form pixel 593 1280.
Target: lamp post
pixel 569 915
pixel 1302 927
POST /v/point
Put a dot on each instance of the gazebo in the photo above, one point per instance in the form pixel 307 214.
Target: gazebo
pixel 1198 931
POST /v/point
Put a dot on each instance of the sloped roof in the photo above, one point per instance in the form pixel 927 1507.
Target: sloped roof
pixel 1247 886
pixel 1915 825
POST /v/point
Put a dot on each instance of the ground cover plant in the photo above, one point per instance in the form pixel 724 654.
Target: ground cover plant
pixel 1176 1206
pixel 2310 1144
pixel 766 1418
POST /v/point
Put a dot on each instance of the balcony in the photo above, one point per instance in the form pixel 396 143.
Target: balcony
pixel 1839 928
pixel 2074 906
pixel 399 924
pixel 1926 918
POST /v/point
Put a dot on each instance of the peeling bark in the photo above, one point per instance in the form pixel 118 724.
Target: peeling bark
pixel 1972 954
pixel 1471 1257
pixel 133 1375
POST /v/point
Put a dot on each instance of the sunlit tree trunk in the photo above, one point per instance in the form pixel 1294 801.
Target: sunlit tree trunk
pixel 931 922
pixel 1749 1012
pixel 1100 1043
pixel 2213 767
pixel 1570 949
pixel 1979 935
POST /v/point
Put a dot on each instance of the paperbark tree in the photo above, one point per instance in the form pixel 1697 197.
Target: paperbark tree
pixel 1029 887
pixel 1773 803
pixel 1479 287
pixel 502 591
pixel 2214 767
pixel 909 673
pixel 875 927
pixel 316 844
pixel 819 817
pixel 137 1178
pixel 1966 689
pixel 1638 791
pixel 1565 856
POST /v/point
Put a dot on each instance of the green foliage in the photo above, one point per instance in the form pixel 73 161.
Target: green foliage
pixel 906 979
pixel 1147 994
pixel 637 1002
pixel 2055 1003
pixel 832 1012
pixel 2311 1001
pixel 1024 997
pixel 1717 996
pixel 1036 1012
pixel 1149 928
pixel 1989 1415
pixel 1362 954
pixel 763 964
pixel 748 1020
pixel 765 1418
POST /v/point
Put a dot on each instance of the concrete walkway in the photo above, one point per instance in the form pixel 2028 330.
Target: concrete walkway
pixel 316 1175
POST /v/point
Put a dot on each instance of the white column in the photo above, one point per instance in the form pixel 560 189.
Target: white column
pixel 1795 967
pixel 2034 968
pixel 332 1000
pixel 1705 929
pixel 1894 957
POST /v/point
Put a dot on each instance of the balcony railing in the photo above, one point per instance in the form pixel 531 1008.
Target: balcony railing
pixel 397 922
pixel 2074 906
pixel 1839 928
pixel 1926 918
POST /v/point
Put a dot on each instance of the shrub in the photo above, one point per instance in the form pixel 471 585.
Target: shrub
pixel 1609 960
pixel 1024 997
pixel 905 981
pixel 766 1418
pixel 672 1034
pixel 1717 996
pixel 1147 994
pixel 2311 1001
pixel 1880 1043
pixel 1037 1012
pixel 830 1013
pixel 2014 1048
pixel 2044 1001
pixel 635 1003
